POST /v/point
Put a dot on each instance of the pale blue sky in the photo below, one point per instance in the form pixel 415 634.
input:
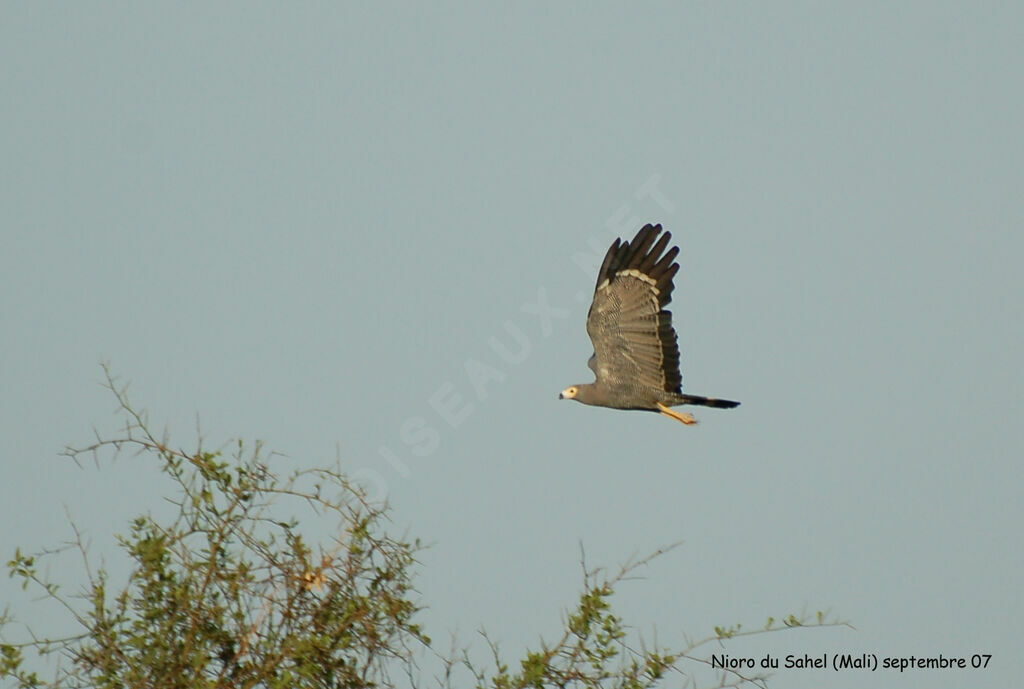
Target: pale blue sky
pixel 302 224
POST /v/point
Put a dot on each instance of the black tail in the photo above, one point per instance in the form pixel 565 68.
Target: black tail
pixel 708 401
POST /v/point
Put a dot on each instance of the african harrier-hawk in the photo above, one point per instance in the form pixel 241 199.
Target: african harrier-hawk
pixel 636 358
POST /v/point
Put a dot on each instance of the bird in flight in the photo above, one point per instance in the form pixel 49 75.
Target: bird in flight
pixel 636 358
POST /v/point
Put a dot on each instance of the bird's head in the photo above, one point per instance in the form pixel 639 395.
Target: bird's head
pixel 569 393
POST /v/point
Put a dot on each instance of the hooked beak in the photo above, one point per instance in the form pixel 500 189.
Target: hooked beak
pixel 561 396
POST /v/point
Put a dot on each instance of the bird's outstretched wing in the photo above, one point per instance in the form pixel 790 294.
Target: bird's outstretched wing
pixel 634 342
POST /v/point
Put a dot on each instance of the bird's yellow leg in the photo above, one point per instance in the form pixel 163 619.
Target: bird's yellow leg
pixel 681 417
